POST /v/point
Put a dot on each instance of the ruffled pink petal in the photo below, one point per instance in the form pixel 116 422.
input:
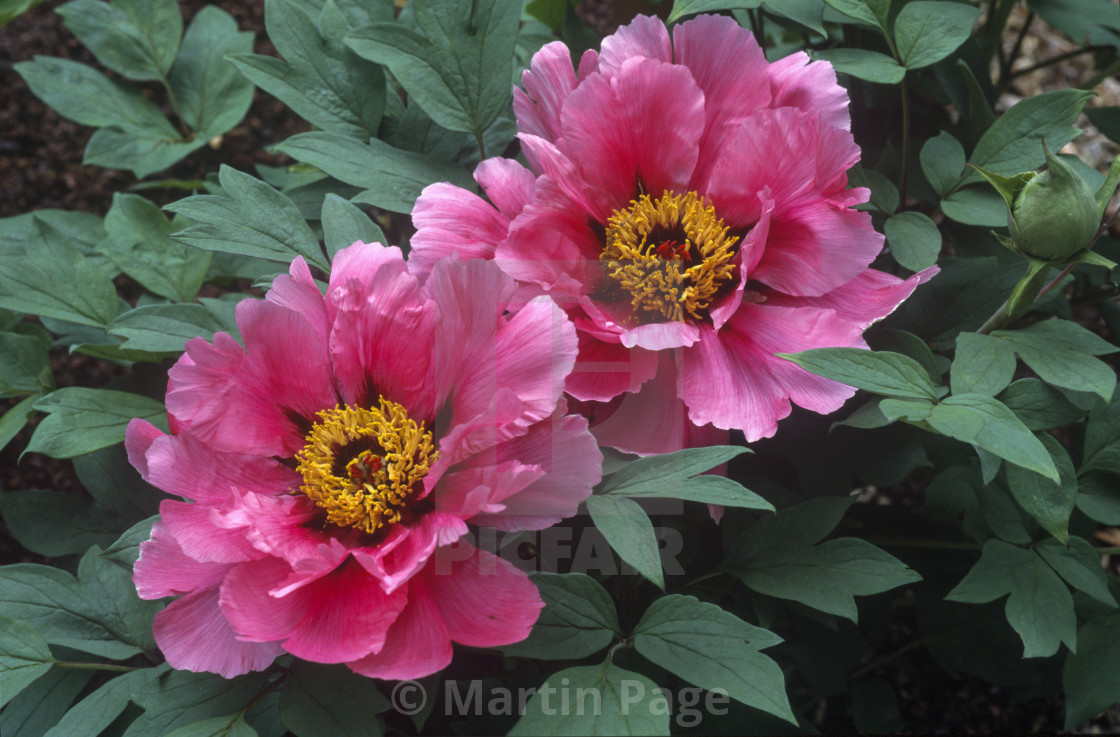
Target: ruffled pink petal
pixel 482 600
pixel 548 81
pixel 642 126
pixel 340 617
pixel 138 437
pixel 551 242
pixel 644 37
pixel 299 293
pixel 452 222
pixel 255 405
pixel 164 570
pixel 193 635
pixel 732 379
pixel 660 336
pixel 569 465
pixel 507 184
pixel 202 537
pixel 381 340
pixel 407 548
pixel 866 299
pixel 417 643
pixel 809 86
pixel 604 370
pixel 477 486
pixel 651 420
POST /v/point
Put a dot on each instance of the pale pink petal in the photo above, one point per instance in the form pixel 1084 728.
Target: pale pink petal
pixel 164 570
pixel 416 645
pixel 551 242
pixel 138 437
pixel 452 222
pixel 644 37
pixel 299 293
pixel 866 299
pixel 193 635
pixel 548 81
pixel 604 370
pixel 809 86
pixel 507 184
pixel 193 526
pixel 651 420
pixel 482 600
pixel 407 548
pixel 199 386
pixel 659 336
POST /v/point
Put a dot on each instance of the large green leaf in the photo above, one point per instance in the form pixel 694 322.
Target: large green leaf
pixel 1039 607
pixel 24 657
pixel 1091 676
pixel 90 716
pixel 943 162
pixel 138 243
pixel 982 365
pixel 684 8
pixel 595 700
pixel 714 649
pixel 391 178
pixel 1102 438
pixel 673 476
pixel 456 64
pixel 330 701
pixel 37 708
pixel 250 219
pixel 880 372
pixel 344 224
pixel 212 95
pixel 578 619
pixel 137 39
pixel 927 31
pixel 1079 564
pixel 230 725
pixel 914 239
pixel 1050 503
pixel 164 328
pixel 1062 353
pixel 57 523
pixel 25 366
pixel 143 151
pixel 864 64
pixel 320 78
pixel 630 533
pixel 181 699
pixel 81 420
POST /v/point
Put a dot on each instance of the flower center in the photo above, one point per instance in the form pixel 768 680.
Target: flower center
pixel 362 465
pixel 671 254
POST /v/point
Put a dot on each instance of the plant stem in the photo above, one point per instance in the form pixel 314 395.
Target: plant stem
pixel 95 666
pixel 481 145
pixel 1056 60
pixel 912 645
pixel 1108 551
pixel 1006 64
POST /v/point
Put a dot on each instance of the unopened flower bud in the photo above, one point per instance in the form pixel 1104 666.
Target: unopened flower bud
pixel 1054 214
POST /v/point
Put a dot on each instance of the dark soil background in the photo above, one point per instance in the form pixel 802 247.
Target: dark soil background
pixel 40 167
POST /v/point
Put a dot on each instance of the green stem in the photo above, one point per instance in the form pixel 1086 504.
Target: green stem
pixel 998 13
pixel 1057 60
pixel 174 102
pixel 481 145
pixel 95 666
pixel 1108 551
pixel 912 645
pixel 1006 64
pixel 1025 294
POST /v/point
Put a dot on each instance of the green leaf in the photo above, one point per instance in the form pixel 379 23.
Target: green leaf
pixel 1102 439
pixel 330 701
pixel 578 619
pixel 181 699
pixel 884 195
pixel 38 707
pixel 90 716
pixel 53 279
pixel 1091 676
pixel 24 657
pixel 10 9
pixel 391 178
pixel 126 550
pixel 135 38
pixel 138 244
pixel 83 94
pixel 943 162
pixel 15 419
pixel 344 224
pixel 1011 145
pixel 926 31
pixel 871 12
pixel 319 78
pixel 976 206
pixel 982 365
pixel 164 328
pixel 80 420
pixel 57 523
pixel 232 725
pixel 672 476
pixel 1039 607
pixel 879 372
pixel 1080 565
pixel 600 700
pixel 875 707
pixel 115 484
pixel 684 8
pixel 914 239
pixel 809 13
pixel 456 63
pixel 212 95
pixel 1039 405
pixel 1050 503
pixel 627 528
pixel 714 649
pixel 25 365
pixel 144 151
pixel 984 422
pixel 250 219
pixel 1062 353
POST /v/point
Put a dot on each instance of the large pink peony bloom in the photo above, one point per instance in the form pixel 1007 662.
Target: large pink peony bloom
pixel 687 204
pixel 331 465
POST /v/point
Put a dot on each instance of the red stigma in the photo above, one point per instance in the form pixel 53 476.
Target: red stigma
pixel 669 249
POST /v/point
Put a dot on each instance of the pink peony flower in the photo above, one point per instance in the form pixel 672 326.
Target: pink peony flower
pixel 686 203
pixel 331 466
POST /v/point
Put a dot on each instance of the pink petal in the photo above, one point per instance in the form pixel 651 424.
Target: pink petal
pixel 299 293
pixel 644 37
pixel 164 570
pixel 605 370
pixel 193 635
pixel 507 184
pixel 452 222
pixel 866 299
pixel 193 526
pixel 660 336
pixel 809 86
pixel 548 81
pixel 416 645
pixel 408 548
pixel 651 420
pixel 482 600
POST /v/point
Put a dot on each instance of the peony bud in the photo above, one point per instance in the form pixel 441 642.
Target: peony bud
pixel 1054 215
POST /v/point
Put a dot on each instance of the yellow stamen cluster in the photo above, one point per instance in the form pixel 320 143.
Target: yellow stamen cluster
pixel 663 276
pixel 393 453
